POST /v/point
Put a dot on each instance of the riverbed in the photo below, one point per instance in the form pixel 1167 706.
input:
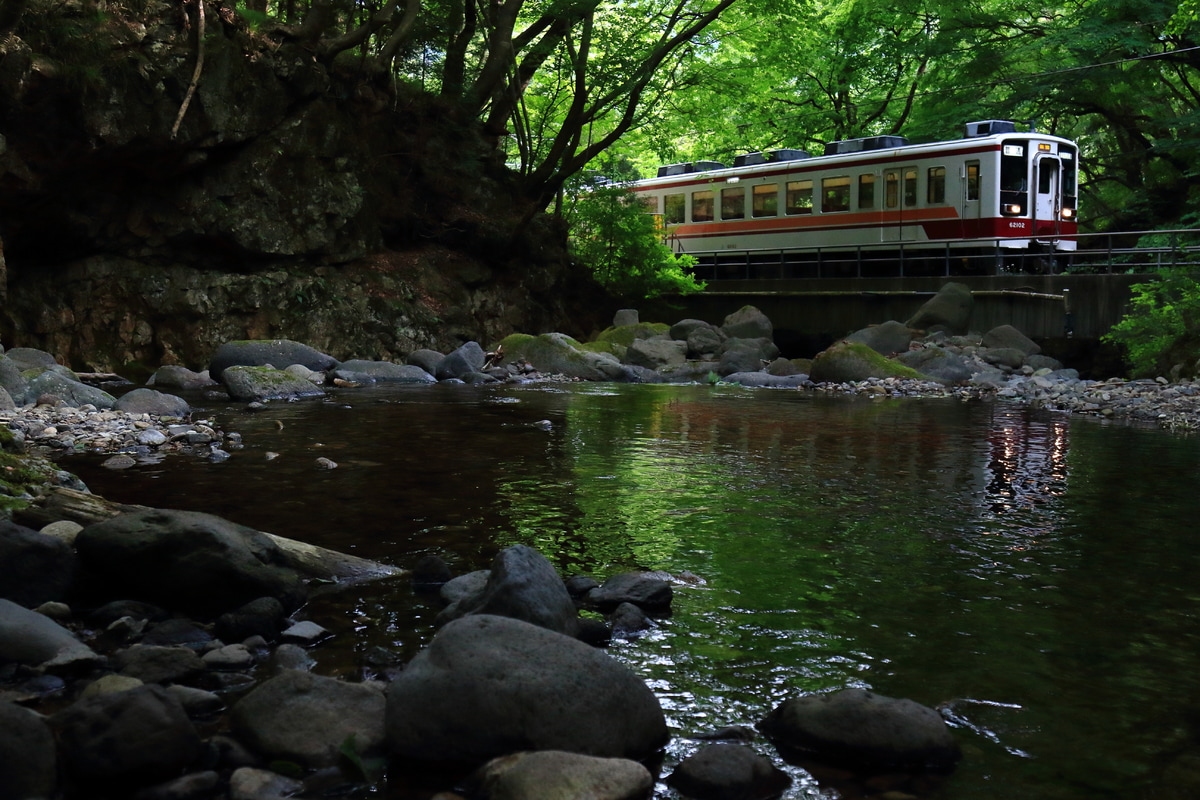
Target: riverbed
pixel 1029 572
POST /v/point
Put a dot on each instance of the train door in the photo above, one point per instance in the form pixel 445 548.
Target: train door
pixel 971 200
pixel 893 214
pixel 1048 196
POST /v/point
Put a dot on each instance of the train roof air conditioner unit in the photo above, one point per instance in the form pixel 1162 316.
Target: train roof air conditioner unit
pixel 866 143
pixel 989 127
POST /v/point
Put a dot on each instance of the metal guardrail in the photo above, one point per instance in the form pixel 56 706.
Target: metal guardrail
pixel 1130 251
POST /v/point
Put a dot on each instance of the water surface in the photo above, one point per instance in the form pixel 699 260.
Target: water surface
pixel 1032 574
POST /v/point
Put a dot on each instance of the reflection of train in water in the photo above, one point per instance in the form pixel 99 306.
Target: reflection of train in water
pixel 994 199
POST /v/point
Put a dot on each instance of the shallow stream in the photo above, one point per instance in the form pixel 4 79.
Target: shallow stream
pixel 1032 574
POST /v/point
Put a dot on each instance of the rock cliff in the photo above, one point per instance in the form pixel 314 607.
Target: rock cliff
pixel 298 197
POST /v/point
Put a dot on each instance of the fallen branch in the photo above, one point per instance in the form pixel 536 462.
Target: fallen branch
pixel 187 99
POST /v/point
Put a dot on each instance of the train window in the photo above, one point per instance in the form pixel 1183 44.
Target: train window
pixel 765 200
pixel 835 194
pixel 866 191
pixel 673 208
pixel 910 187
pixel 935 186
pixel 799 197
pixel 891 189
pixel 733 203
pixel 702 206
pixel 1046 176
pixel 1014 169
pixel 972 180
pixel 649 204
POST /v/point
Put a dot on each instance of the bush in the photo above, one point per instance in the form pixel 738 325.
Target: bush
pixel 1162 325
pixel 612 234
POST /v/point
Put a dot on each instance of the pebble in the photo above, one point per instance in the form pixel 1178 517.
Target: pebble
pixel 52 430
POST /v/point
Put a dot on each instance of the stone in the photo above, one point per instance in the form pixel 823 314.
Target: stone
pixel 103 738
pixel 257 384
pixel 1010 357
pixel 155 403
pixel 469 357
pixel 556 775
pixel 704 342
pixel 487 686
pixel 28 757
pixel 523 585
pixel 13 381
pixel 629 621
pixel 431 572
pixel 194 786
pixel 644 590
pixel 765 379
pixel 251 783
pixel 849 362
pixel 110 684
pixel 197 703
pixel 27 358
pixel 34 567
pixel 748 323
pixel 949 310
pixel 471 584
pixel 559 354
pixel 230 658
pixel 625 316
pixel 742 358
pixel 71 392
pixel 427 360
pixel 277 353
pixel 172 376
pixel 263 617
pixel 886 338
pixel 305 633
pixel 305 718
pixel 728 772
pixel 384 372
pixel 863 730
pixel 197 563
pixel 158 664
pixel 656 353
pixel 27 637
pixel 1005 336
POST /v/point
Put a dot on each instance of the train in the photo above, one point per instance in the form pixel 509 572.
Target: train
pixel 996 200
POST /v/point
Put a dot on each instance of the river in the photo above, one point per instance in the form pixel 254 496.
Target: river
pixel 1031 573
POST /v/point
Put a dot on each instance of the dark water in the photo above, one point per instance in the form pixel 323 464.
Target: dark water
pixel 1033 574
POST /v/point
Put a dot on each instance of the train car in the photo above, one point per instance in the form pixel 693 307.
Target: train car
pixel 996 199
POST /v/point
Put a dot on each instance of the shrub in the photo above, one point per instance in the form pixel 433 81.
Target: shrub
pixel 1162 323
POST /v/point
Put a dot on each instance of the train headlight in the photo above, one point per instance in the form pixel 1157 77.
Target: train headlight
pixel 1068 213
pixel 1012 209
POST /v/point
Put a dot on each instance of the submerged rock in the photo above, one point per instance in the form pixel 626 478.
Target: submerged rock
pixel 555 775
pixel 728 772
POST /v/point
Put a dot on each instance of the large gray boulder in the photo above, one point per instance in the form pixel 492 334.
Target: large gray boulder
pixel 523 585
pixel 186 560
pixel 71 392
pixel 466 359
pixel 488 686
pixel 131 738
pixel 748 323
pixel 12 380
pixel 155 403
pixel 849 362
pixel 656 353
pixel 728 772
pixel 29 358
pixel 28 758
pixel 34 568
pixel 173 376
pixel 277 353
pixel 938 364
pixel 33 639
pixel 555 775
pixel 949 310
pixel 383 371
pixel 559 354
pixel 645 590
pixel 255 384
pixel 886 338
pixel 1006 336
pixel 865 730
pixel 306 718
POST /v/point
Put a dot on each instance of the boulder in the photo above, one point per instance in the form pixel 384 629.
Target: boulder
pixel 629 621
pixel 12 380
pixel 106 738
pixel 741 358
pixel 1006 336
pixel 704 342
pixel 559 354
pixel 949 310
pixel 468 358
pixel 783 367
pixel 656 353
pixel 28 759
pixel 849 362
pixel 383 372
pixel 34 568
pixel 6 400
pixel 645 590
pixel 252 783
pixel 556 775
pixel 261 617
pixel 27 637
pixel 488 686
pixel 523 585
pixel 622 336
pixel 728 772
pixel 625 316
pixel 256 384
pixel 428 360
pixel 172 376
pixel 765 379
pixel 886 338
pixel 71 392
pixel 305 718
pixel 277 353
pixel 748 323
pixel 1010 357
pixel 158 664
pixel 155 403
pixel 1039 361
pixel 28 358
pixel 194 562
pixel 863 730
pixel 464 586
pixel 938 364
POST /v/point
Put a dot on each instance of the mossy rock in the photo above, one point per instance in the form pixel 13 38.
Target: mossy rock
pixel 849 362
pixel 559 354
pixel 624 335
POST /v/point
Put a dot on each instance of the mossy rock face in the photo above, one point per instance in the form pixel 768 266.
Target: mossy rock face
pixel 624 335
pixel 848 362
pixel 559 354
pixel 251 384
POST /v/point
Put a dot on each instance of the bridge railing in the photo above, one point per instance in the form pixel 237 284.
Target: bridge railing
pixel 1134 251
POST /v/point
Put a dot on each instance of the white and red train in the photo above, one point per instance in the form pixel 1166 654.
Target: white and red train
pixel 980 201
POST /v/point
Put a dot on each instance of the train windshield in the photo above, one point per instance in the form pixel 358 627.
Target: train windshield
pixel 1070 170
pixel 1014 169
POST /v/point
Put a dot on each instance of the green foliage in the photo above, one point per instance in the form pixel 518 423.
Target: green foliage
pixel 1161 313
pixel 623 246
pixel 255 19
